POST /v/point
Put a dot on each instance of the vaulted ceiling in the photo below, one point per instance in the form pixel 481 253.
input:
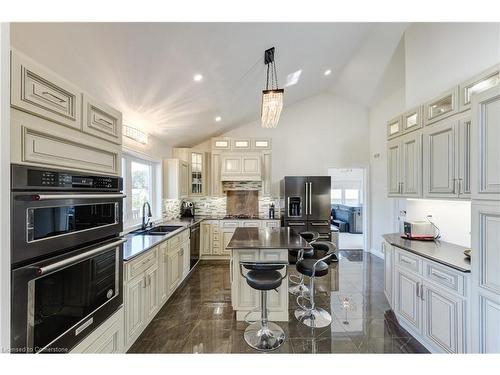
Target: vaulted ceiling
pixel 146 70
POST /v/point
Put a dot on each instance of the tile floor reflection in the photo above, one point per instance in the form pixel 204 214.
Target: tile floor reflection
pixel 199 318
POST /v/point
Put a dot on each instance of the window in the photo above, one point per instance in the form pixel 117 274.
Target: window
pixel 337 196
pixel 141 179
pixel 351 197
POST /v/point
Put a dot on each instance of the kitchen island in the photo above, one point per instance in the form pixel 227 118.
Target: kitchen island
pixel 254 244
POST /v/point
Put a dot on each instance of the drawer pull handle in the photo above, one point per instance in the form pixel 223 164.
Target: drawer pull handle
pixel 440 276
pixel 51 97
pixel 407 262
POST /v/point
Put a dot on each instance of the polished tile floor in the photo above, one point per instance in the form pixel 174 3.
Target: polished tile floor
pixel 198 318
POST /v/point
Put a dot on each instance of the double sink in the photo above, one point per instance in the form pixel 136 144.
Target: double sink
pixel 159 230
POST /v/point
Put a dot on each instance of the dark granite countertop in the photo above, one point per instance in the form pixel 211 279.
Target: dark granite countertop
pixel 269 238
pixel 137 244
pixel 442 252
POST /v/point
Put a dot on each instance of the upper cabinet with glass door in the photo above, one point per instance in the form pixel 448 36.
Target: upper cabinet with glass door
pixel 482 82
pixel 441 107
pixel 394 128
pixel 197 174
pixel 412 120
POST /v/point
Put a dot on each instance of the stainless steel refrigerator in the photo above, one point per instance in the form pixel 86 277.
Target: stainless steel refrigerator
pixel 306 204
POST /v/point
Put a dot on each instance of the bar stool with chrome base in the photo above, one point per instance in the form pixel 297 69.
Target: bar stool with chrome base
pixel 311 315
pixel 299 286
pixel 263 335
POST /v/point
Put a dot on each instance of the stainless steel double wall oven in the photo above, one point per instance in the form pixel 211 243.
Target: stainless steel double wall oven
pixel 67 256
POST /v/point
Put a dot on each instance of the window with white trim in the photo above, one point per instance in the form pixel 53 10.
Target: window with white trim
pixel 141 183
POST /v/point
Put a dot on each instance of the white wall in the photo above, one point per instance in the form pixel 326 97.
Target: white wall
pixel 453 218
pixel 389 102
pixel 4 187
pixel 441 55
pixel 155 149
pixel 315 134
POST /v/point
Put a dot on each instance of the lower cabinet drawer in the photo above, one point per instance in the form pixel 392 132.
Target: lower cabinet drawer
pixel 108 338
pixel 445 277
pixel 137 266
pixel 408 261
pixel 230 224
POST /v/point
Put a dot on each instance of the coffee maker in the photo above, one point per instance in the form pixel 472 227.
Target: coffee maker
pixel 187 209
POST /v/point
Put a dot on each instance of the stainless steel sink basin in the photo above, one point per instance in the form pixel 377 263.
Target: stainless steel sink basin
pixel 163 229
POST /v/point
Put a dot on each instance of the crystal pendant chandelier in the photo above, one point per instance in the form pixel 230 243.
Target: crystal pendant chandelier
pixel 272 98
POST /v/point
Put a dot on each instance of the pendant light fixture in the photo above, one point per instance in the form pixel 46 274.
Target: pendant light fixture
pixel 272 97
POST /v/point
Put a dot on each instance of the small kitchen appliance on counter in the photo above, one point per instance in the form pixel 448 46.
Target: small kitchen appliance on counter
pixel 419 230
pixel 187 209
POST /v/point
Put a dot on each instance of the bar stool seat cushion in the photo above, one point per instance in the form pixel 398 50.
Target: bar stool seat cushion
pixel 264 280
pixel 305 267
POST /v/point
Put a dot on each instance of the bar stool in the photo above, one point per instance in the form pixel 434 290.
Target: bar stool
pixel 263 335
pixel 311 315
pixel 299 286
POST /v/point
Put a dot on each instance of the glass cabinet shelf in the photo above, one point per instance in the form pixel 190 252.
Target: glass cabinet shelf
pixel 196 173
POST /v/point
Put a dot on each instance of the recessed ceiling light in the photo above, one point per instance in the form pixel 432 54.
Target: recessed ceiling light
pixel 197 77
pixel 218 119
pixel 327 72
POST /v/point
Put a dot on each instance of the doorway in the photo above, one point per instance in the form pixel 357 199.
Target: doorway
pixel 348 202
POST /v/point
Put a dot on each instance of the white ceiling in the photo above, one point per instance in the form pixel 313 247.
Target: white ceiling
pixel 146 69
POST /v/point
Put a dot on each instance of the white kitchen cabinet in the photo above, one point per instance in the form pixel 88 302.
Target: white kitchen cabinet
pixel 108 338
pixel 272 224
pixel 266 174
pixel 174 269
pixel 39 142
pixel 443 106
pixel 407 304
pixel 412 120
pixel 242 295
pixel 216 185
pixel 429 300
pixel 394 127
pixel 185 257
pixel 388 270
pixel 41 92
pixel 404 166
pixel 101 120
pixel 277 301
pixel 485 151
pixel 221 143
pixel 261 143
pixel 164 290
pixel 393 168
pixel 135 312
pixel 251 223
pixel 175 179
pixel 443 318
pixel 241 144
pixel 482 82
pixel 485 239
pixel 206 238
pixel 152 297
pixel 241 167
pixel 447 158
pixel 440 160
pixel 227 234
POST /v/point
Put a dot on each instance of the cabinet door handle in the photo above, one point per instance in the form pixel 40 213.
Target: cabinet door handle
pixel 418 289
pixel 422 292
pixel 407 262
pixel 144 282
pixel 103 121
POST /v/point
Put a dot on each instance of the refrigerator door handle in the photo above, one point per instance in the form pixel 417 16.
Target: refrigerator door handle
pixel 307 206
pixel 310 197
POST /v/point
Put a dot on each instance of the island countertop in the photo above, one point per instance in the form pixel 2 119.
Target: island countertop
pixel 269 238
pixel 439 251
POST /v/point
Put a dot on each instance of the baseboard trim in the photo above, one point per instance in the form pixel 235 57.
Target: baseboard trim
pixel 377 253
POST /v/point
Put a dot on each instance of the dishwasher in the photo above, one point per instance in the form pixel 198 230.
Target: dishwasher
pixel 194 245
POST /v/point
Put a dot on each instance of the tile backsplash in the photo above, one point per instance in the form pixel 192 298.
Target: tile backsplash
pixel 214 206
